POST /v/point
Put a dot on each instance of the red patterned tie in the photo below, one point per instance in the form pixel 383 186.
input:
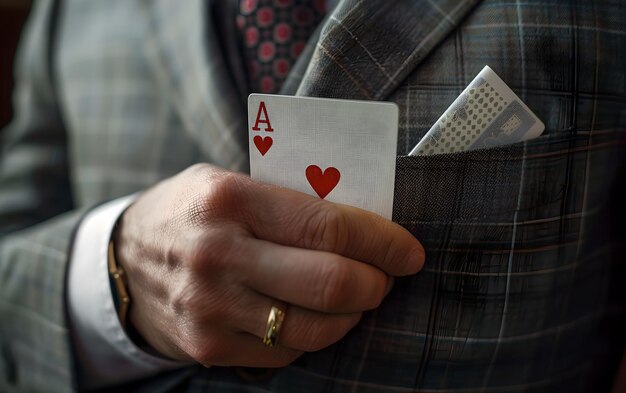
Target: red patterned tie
pixel 274 33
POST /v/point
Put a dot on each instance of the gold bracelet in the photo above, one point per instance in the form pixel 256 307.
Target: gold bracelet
pixel 119 278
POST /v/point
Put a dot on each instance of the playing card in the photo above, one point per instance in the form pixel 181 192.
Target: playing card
pixel 339 150
pixel 486 114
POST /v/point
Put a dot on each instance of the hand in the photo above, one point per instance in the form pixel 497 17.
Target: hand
pixel 209 252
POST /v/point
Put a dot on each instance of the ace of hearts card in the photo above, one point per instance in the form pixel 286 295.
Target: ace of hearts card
pixel 342 151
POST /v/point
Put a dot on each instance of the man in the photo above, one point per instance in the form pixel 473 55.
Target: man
pixel 522 289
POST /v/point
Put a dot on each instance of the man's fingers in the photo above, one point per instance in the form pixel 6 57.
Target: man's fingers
pixel 292 218
pixel 302 329
pixel 317 280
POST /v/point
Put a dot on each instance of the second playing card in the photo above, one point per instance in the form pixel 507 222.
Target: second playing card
pixel 339 150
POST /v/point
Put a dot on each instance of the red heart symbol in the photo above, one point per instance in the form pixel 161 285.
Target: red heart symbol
pixel 322 182
pixel 263 144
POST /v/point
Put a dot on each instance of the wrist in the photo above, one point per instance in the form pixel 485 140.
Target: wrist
pixel 138 322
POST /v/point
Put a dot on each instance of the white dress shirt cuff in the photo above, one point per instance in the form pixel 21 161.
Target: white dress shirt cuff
pixel 106 355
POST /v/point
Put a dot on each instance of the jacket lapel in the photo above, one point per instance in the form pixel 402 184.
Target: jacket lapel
pixel 368 47
pixel 194 76
pixel 364 50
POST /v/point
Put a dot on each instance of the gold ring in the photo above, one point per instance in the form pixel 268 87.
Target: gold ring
pixel 272 329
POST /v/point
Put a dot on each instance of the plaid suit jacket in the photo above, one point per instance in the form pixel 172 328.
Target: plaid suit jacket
pixel 524 284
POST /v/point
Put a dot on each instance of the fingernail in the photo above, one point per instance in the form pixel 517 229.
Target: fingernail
pixel 389 286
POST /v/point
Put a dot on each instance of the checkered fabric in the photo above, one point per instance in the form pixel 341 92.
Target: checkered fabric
pixel 523 287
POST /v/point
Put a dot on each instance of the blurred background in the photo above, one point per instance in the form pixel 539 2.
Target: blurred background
pixel 12 16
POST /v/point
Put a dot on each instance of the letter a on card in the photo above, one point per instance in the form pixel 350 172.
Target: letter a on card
pixel 262 112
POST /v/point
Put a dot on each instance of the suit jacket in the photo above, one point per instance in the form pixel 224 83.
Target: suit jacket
pixel 523 287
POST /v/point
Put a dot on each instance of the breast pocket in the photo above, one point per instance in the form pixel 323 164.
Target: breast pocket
pixel 458 187
pixel 526 195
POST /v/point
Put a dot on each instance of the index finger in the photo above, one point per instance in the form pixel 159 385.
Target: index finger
pixel 296 219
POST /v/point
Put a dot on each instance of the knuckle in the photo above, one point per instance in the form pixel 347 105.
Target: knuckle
pixel 197 254
pixel 324 228
pixel 200 168
pixel 340 289
pixel 226 190
pixel 403 264
pixel 198 290
pixel 182 302
pixel 212 251
pixel 389 259
pixel 220 196
pixel 333 284
pixel 206 292
pixel 398 255
pixel 316 336
pixel 210 351
pixel 186 303
pixel 217 196
pixel 377 297
pixel 372 296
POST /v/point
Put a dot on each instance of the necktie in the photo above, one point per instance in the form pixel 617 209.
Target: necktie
pixel 274 33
